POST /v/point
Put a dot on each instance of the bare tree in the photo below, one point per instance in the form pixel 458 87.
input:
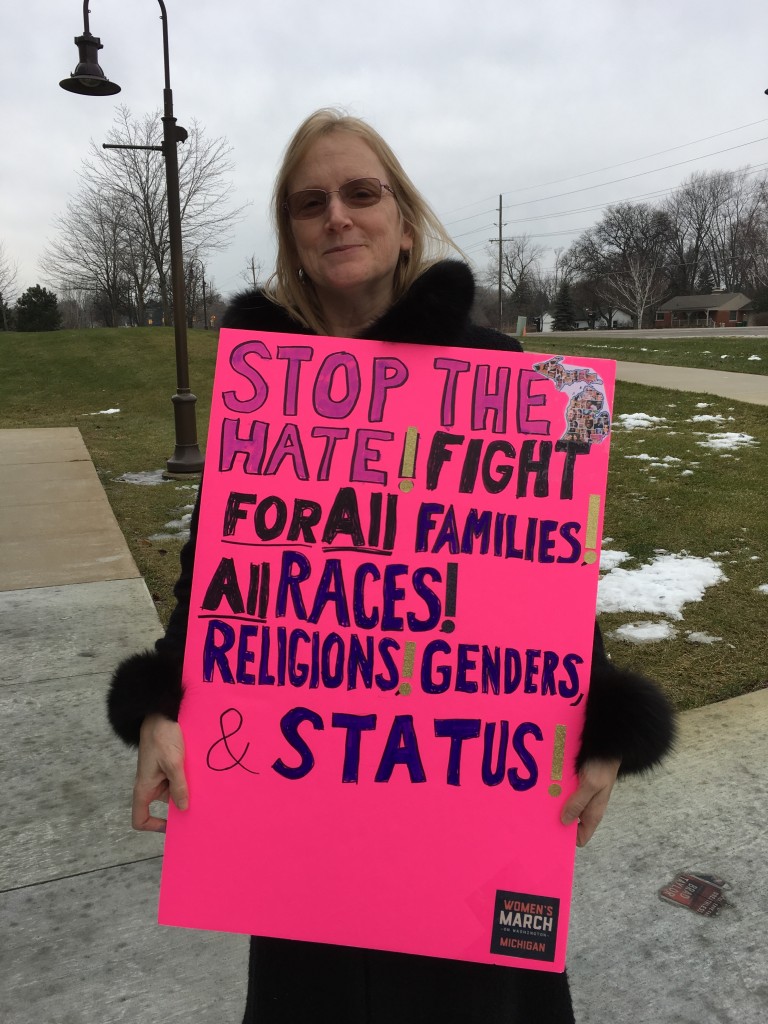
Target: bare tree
pixel 691 210
pixel 639 284
pixel 125 190
pixel 720 231
pixel 520 272
pixel 76 306
pixel 216 304
pixel 626 254
pixel 735 231
pixel 8 273
pixel 89 250
pixel 547 283
pixel 205 166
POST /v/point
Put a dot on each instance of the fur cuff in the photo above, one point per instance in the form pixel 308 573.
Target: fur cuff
pixel 144 684
pixel 628 717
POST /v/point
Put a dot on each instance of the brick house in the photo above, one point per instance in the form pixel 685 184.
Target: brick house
pixel 720 309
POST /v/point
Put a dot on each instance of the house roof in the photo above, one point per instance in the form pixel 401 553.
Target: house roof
pixel 716 300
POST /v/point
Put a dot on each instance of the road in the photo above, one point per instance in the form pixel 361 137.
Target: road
pixel 666 333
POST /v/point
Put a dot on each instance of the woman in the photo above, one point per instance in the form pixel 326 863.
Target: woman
pixel 357 248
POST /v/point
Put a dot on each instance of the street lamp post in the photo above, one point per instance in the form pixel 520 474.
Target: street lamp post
pixel 89 80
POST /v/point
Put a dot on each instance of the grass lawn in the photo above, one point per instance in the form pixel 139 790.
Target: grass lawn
pixel 732 353
pixel 709 504
pixel 61 379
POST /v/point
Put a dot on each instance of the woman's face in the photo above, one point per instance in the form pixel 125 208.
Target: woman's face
pixel 349 255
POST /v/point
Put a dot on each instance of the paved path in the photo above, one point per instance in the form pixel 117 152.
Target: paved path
pixel 78 888
pixel 744 387
pixel 667 333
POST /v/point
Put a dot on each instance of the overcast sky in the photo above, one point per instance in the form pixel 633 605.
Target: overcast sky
pixel 476 98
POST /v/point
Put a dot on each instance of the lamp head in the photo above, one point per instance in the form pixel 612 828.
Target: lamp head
pixel 88 79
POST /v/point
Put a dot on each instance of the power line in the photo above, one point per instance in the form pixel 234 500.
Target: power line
pixel 615 181
pixel 640 174
pixel 615 202
pixel 589 209
pixel 610 167
pixel 665 266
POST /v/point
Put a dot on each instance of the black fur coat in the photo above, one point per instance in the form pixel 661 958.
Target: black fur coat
pixel 627 717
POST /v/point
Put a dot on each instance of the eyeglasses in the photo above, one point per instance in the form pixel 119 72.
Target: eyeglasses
pixel 355 194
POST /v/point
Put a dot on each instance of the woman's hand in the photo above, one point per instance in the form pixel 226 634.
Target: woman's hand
pixel 159 772
pixel 588 803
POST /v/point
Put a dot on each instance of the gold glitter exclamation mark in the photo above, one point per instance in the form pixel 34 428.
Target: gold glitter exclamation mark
pixel 408 465
pixel 558 756
pixel 593 518
pixel 408 660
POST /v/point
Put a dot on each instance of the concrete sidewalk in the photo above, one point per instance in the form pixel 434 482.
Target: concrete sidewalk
pixel 744 387
pixel 78 888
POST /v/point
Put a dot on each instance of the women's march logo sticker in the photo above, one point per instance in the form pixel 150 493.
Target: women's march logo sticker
pixel 525 925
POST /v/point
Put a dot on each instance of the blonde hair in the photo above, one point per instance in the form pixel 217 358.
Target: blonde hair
pixel 295 292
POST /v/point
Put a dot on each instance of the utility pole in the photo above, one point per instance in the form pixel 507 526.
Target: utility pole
pixel 500 303
pixel 253 266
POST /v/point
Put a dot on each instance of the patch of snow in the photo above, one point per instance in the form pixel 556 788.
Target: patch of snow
pixel 179 524
pixel 702 405
pixel 104 412
pixel 687 472
pixel 762 588
pixel 706 418
pixel 724 357
pixel 661 587
pixel 645 632
pixel 753 359
pixel 702 638
pixel 647 458
pixel 671 458
pixel 147 478
pixel 610 559
pixel 728 440
pixel 179 529
pixel 639 420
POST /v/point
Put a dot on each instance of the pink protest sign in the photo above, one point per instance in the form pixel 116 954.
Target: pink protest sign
pixel 389 644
